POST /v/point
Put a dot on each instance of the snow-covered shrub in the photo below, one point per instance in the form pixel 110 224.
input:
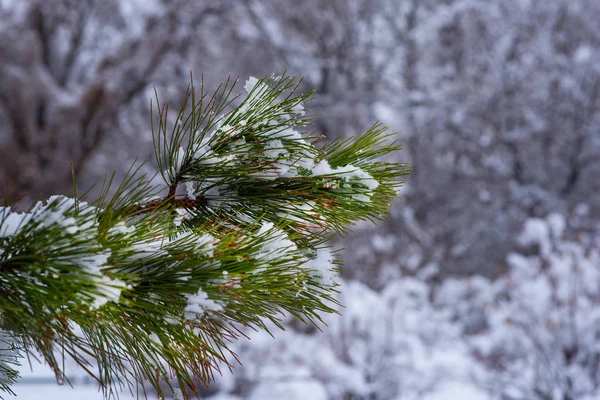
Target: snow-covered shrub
pixel 466 300
pixel 532 334
pixel 389 345
pixel 543 338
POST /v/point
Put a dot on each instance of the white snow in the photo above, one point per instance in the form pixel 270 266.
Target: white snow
pixel 110 290
pixel 557 224
pixel 52 213
pixel 50 391
pixel 39 383
pixel 322 267
pixel 11 222
pixel 457 390
pixel 299 109
pixel 148 248
pixel 122 228
pixel 60 211
pixel 536 231
pixel 295 390
pixel 203 243
pixel 198 304
pixel 189 187
pixel 178 162
pixel 276 243
pixel 250 84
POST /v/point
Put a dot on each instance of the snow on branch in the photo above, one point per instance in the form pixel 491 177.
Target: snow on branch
pixel 147 286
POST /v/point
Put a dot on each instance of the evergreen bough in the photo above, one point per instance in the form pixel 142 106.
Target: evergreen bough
pixel 149 285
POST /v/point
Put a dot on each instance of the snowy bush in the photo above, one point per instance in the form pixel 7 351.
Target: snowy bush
pixel 543 340
pixel 534 333
pixel 389 345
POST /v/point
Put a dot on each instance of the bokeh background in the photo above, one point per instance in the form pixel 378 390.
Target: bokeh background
pixel 484 284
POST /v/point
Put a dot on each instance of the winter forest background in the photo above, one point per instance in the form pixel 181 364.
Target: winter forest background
pixel 485 283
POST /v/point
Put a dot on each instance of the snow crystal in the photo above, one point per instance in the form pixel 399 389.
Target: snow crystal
pixel 148 248
pixel 181 214
pixel 266 227
pixel 92 263
pixel 154 337
pixel 11 222
pixel 322 267
pixel 276 243
pixel 212 192
pixel 110 290
pixel 176 168
pixel 189 187
pixel 355 173
pixel 306 209
pixel 226 128
pixel 56 212
pixel 299 109
pixel 349 172
pixel 286 165
pixel 274 149
pixel 53 213
pixel 250 84
pixel 288 133
pixel 198 304
pixel 205 242
pixel 320 168
pixel 204 155
pixel 121 228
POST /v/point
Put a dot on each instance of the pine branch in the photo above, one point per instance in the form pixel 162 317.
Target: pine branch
pixel 143 287
pixel 174 202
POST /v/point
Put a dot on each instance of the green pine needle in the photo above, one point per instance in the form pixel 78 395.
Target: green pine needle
pixel 150 285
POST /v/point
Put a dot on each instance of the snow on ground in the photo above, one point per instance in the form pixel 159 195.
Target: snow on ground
pixel 298 390
pixel 40 383
pixel 56 392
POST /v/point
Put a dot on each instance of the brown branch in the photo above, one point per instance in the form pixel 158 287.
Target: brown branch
pixel 170 200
